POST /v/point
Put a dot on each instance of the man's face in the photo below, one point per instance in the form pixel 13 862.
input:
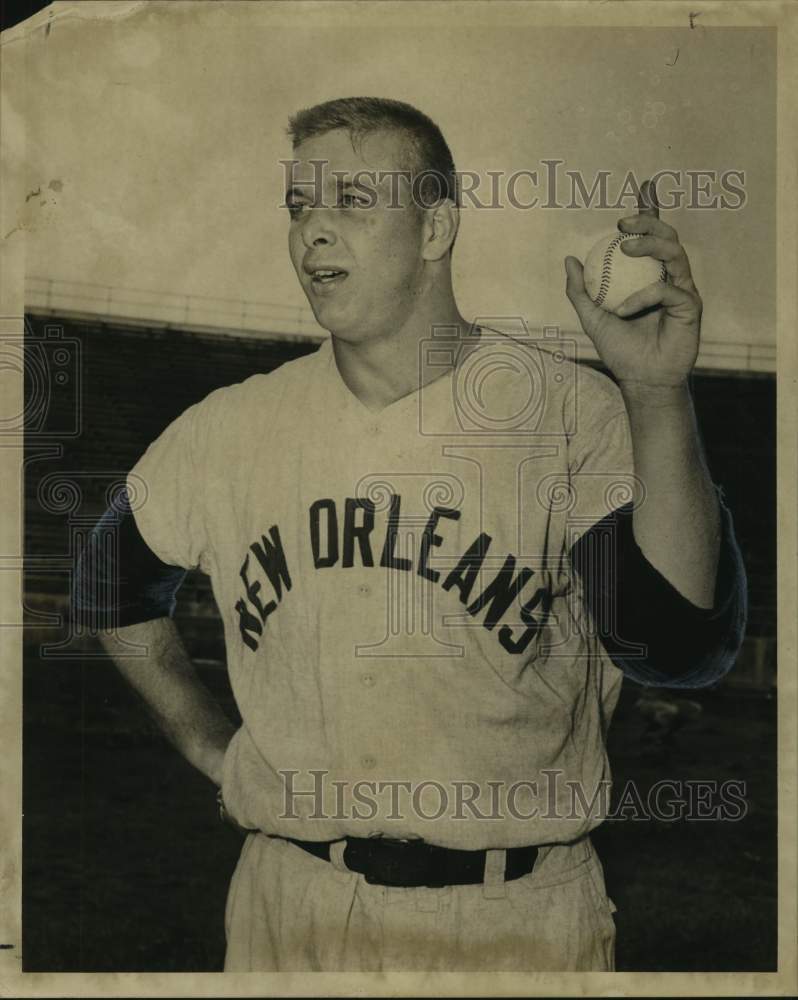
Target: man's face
pixel 373 250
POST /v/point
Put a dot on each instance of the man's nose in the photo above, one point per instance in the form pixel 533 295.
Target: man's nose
pixel 318 229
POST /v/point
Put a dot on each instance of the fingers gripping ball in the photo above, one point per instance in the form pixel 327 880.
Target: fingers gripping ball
pixel 611 276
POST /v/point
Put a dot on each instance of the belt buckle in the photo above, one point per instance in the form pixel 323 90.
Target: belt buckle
pixel 397 862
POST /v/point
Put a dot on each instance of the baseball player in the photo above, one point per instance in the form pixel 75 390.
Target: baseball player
pixel 436 551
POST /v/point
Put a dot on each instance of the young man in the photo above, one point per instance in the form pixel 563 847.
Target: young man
pixel 426 630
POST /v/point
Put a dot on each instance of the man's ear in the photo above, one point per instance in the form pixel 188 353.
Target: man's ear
pixel 440 228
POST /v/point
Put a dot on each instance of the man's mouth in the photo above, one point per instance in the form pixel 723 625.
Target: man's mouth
pixel 327 276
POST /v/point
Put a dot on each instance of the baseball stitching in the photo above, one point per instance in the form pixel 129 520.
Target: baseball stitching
pixel 606 266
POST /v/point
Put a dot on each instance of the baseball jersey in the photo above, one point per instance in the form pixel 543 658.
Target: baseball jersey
pixel 406 640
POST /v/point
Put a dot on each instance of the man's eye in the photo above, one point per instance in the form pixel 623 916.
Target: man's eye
pixel 353 201
pixel 295 209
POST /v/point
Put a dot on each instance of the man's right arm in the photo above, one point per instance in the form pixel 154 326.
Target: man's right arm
pixel 180 703
pixel 128 593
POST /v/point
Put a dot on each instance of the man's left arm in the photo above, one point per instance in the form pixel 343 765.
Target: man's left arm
pixel 678 527
pixel 679 548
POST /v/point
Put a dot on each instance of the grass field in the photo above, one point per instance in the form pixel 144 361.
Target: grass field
pixel 126 866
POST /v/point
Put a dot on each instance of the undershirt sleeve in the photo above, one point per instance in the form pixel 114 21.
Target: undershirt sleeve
pixel 137 555
pixel 650 631
pixel 119 580
pixel 633 605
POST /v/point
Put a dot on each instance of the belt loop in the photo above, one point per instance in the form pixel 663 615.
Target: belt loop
pixel 493 886
pixel 337 849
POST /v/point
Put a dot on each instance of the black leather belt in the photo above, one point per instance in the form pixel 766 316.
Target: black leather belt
pixel 383 861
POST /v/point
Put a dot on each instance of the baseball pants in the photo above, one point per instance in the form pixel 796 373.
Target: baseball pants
pixel 288 911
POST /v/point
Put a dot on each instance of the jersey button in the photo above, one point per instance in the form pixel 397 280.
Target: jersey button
pixel 369 680
pixel 364 590
pixel 368 762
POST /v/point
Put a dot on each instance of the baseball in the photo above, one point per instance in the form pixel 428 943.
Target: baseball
pixel 611 276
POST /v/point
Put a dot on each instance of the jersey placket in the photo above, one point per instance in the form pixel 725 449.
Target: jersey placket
pixel 379 448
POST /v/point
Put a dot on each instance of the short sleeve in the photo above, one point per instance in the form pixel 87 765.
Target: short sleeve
pixel 166 487
pixel 600 459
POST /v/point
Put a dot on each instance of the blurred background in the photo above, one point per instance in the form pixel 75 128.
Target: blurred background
pixel 157 271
